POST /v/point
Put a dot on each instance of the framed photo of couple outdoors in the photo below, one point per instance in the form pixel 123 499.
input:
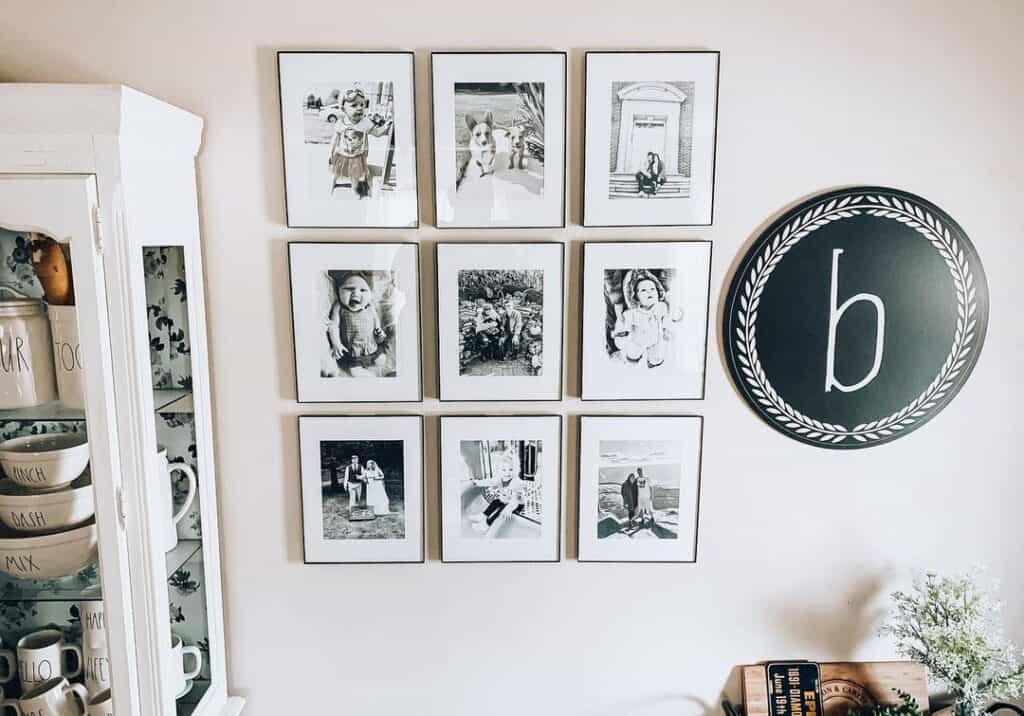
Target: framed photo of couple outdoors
pixel 362 488
pixel 639 490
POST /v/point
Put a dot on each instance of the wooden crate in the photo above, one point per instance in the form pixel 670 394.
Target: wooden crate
pixel 845 684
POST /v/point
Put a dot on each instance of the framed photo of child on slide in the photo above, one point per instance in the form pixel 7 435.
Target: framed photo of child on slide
pixel 348 124
pixel 501 488
pixel 645 320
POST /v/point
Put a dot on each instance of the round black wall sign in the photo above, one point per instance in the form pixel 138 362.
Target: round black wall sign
pixel 856 317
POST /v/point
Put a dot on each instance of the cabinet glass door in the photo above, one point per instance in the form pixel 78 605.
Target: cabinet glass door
pixel 64 577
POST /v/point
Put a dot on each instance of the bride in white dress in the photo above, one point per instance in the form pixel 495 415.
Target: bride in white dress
pixel 376 496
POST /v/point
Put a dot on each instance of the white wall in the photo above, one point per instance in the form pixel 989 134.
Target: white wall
pixel 924 95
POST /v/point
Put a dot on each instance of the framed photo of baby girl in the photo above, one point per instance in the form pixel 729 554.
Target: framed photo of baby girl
pixel 639 491
pixel 499 321
pixel 501 488
pixel 499 139
pixel 362 488
pixel 356 322
pixel 649 134
pixel 348 124
pixel 645 320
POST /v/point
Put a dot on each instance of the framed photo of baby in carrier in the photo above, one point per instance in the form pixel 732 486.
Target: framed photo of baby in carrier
pixel 649 134
pixel 362 488
pixel 348 125
pixel 499 321
pixel 499 139
pixel 356 322
pixel 645 320
pixel 639 491
pixel 501 488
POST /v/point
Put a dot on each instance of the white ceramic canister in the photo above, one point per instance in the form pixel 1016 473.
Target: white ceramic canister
pixel 26 356
pixel 67 355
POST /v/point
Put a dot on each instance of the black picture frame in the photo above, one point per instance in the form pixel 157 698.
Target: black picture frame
pixel 565 127
pixel 714 143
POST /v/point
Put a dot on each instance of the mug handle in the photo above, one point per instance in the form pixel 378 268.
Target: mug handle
pixel 11 704
pixel 77 651
pixel 192 483
pixel 10 662
pixel 81 693
pixel 1001 705
pixel 194 652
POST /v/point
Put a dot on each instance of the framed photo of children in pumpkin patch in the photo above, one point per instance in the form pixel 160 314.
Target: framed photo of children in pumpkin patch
pixel 499 321
pixel 348 124
pixel 501 488
pixel 499 139
pixel 356 322
pixel 362 488
pixel 645 320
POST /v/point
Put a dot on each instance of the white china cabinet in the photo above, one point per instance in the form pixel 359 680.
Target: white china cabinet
pixel 105 177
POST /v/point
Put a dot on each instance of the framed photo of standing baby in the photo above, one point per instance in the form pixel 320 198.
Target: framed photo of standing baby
pixel 362 488
pixel 499 139
pixel 356 322
pixel 645 320
pixel 348 123
pixel 499 321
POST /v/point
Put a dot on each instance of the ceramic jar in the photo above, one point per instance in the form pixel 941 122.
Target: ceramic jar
pixel 26 356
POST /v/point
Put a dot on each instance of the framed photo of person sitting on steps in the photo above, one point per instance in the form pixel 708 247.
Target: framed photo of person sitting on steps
pixel 639 490
pixel 499 139
pixel 649 137
pixel 348 123
pixel 501 488
pixel 499 321
pixel 362 488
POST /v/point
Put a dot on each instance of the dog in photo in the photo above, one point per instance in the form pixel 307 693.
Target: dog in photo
pixel 482 147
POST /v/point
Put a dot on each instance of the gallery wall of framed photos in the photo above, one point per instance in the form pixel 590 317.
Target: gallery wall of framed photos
pixel 794 541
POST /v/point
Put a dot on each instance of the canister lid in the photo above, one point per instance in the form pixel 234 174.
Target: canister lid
pixel 21 307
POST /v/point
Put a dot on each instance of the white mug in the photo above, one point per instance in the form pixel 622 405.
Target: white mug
pixel 177 677
pixel 41 658
pixel 8 666
pixel 102 704
pixel 97 669
pixel 94 625
pixel 55 697
pixel 167 469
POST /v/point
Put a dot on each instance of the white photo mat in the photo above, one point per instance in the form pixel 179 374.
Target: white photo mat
pixel 316 429
pixel 603 69
pixel 682 376
pixel 309 263
pixel 684 431
pixel 309 197
pixel 544 547
pixel 546 210
pixel 453 258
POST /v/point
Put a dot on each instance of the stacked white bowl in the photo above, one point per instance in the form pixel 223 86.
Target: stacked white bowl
pixel 46 506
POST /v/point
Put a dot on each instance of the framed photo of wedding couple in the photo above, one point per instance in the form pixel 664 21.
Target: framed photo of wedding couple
pixel 501 488
pixel 348 126
pixel 645 320
pixel 649 135
pixel 356 322
pixel 639 488
pixel 499 321
pixel 362 488
pixel 499 139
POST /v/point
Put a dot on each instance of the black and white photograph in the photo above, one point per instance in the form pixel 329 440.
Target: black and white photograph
pixel 500 488
pixel 348 126
pixel 362 488
pixel 355 315
pixel 639 488
pixel 501 317
pixel 645 319
pixel 499 129
pixel 500 321
pixel 650 138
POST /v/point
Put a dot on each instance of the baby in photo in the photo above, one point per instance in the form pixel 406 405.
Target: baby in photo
pixel 641 332
pixel 350 149
pixel 504 491
pixel 355 335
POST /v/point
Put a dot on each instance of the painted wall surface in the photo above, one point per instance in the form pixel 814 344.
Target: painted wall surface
pixel 922 95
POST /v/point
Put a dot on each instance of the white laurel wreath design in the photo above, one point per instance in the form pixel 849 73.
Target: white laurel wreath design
pixel 887 207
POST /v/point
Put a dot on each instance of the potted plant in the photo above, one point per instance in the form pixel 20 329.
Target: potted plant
pixel 951 626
